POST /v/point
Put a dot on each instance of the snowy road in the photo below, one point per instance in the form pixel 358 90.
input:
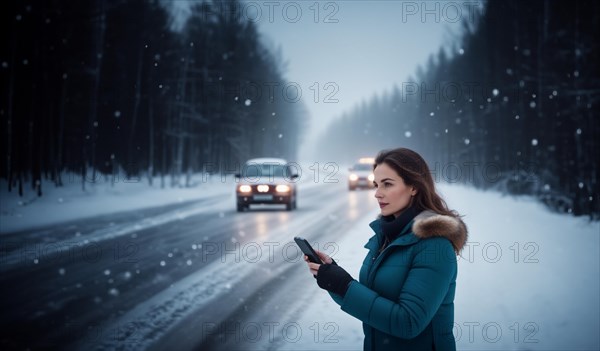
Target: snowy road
pixel 164 276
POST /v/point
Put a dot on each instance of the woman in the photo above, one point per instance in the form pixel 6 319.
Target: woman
pixel 405 292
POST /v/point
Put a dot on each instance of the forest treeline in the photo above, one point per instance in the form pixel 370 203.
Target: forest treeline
pixel 107 87
pixel 513 106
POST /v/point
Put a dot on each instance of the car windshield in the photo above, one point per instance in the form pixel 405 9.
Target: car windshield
pixel 363 167
pixel 255 170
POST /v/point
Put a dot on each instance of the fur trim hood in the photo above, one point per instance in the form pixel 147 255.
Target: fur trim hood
pixel 429 224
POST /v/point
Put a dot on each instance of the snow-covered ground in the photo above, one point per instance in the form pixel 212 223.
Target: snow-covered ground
pixel 528 279
pixel 60 204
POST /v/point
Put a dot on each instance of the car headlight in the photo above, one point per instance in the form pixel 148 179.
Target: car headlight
pixel 282 188
pixel 371 177
pixel 353 177
pixel 245 189
pixel 262 188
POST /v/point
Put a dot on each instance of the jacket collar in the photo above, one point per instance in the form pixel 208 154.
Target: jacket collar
pixel 427 224
pixel 392 227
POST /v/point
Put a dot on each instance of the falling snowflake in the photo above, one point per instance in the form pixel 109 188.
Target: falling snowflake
pixel 467 141
pixel 407 134
pixel 117 114
pixel 534 142
pixel 248 102
pixel 495 92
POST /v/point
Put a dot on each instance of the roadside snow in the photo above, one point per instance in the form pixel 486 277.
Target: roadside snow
pixel 528 280
pixel 70 202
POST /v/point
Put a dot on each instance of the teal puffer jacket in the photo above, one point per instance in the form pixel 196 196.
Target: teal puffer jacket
pixel 405 294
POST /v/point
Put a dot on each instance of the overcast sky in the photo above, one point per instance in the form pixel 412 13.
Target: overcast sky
pixel 360 47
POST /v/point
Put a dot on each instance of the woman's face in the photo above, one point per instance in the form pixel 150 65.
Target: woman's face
pixel 392 193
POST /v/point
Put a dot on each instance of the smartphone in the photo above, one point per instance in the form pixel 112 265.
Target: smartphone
pixel 308 250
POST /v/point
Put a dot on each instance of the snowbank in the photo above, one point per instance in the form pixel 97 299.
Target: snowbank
pixel 60 204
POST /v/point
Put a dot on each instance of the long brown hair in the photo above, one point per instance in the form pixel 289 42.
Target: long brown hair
pixel 413 169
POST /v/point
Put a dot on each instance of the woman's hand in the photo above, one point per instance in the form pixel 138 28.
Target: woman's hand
pixel 314 267
pixel 333 278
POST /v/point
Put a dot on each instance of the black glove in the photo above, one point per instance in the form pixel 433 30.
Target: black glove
pixel 333 278
pixel 332 262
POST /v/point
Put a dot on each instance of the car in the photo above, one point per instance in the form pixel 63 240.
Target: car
pixel 266 181
pixel 361 175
